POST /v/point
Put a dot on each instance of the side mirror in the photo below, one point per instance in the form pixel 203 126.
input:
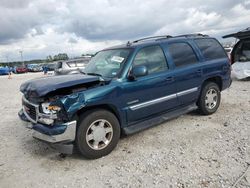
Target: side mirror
pixel 138 71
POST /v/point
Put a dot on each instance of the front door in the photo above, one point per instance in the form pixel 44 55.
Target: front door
pixel 151 94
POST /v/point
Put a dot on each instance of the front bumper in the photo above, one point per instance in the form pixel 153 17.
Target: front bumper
pixel 57 133
pixel 60 136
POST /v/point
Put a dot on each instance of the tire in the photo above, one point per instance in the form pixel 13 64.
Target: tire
pixel 209 100
pixel 98 133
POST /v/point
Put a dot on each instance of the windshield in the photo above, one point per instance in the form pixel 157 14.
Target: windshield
pixel 107 63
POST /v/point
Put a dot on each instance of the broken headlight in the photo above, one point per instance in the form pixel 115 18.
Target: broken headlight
pixel 50 109
pixel 49 113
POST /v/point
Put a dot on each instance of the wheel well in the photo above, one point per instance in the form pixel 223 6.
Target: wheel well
pixel 107 107
pixel 216 80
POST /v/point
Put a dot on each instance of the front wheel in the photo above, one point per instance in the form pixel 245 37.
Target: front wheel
pixel 98 133
pixel 210 97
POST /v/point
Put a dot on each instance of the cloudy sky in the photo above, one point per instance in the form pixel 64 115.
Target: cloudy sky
pixel 46 27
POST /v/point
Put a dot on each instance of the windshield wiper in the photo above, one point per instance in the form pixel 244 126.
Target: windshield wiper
pixel 82 72
pixel 93 74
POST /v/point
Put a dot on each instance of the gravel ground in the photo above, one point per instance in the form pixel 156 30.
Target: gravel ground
pixel 190 151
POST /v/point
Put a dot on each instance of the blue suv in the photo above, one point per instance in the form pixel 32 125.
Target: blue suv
pixel 126 89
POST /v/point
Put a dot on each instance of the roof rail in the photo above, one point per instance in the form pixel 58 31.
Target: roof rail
pixel 154 37
pixel 192 35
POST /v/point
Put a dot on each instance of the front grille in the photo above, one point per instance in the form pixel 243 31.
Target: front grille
pixel 30 110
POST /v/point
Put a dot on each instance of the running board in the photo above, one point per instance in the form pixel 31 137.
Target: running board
pixel 158 120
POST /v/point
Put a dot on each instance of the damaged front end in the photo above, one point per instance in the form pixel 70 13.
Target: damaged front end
pixel 50 111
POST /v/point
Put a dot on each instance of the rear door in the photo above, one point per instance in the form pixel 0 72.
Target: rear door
pixel 188 71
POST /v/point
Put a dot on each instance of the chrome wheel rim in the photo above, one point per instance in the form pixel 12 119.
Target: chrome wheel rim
pixel 211 98
pixel 99 134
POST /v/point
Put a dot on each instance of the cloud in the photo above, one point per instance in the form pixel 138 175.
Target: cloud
pixel 45 27
pixel 72 40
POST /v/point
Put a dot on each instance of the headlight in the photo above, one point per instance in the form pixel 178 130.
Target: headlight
pixel 54 108
pixel 50 109
pixel 48 114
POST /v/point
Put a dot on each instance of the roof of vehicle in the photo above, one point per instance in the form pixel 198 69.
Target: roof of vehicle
pixel 240 35
pixel 156 40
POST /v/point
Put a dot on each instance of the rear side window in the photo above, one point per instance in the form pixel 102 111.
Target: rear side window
pixel 81 63
pixel 182 54
pixel 211 49
pixel 71 64
pixel 153 58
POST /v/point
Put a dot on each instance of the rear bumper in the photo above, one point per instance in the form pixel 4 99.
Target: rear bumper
pixel 60 136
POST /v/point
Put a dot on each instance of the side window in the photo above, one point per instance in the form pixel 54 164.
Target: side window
pixel 210 48
pixel 59 65
pixel 153 58
pixel 182 54
pixel 71 64
pixel 80 63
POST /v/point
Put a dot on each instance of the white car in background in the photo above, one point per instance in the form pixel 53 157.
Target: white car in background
pixel 72 66
pixel 240 55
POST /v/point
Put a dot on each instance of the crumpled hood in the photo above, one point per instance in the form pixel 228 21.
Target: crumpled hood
pixel 42 86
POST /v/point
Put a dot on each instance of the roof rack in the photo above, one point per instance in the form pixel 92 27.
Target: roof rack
pixel 165 37
pixel 154 37
pixel 193 35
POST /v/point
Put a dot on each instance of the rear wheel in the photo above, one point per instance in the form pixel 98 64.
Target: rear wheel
pixel 210 97
pixel 98 133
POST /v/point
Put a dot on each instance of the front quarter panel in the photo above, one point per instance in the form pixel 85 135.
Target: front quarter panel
pixel 101 95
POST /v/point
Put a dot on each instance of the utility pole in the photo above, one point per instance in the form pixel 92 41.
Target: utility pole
pixel 21 53
pixel 7 60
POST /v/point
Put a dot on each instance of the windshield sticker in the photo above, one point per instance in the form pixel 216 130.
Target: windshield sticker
pixel 117 59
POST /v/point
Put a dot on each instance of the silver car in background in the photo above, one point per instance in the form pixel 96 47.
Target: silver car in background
pixel 72 66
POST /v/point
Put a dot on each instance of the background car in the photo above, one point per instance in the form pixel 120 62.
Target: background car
pixel 34 68
pixel 240 55
pixel 4 70
pixel 73 66
pixel 50 66
pixel 21 69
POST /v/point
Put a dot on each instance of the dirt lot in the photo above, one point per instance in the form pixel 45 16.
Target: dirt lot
pixel 190 151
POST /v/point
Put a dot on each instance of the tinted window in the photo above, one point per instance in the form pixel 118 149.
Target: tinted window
pixel 210 48
pixel 182 54
pixel 153 58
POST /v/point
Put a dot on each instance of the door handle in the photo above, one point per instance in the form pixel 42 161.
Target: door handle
pixel 170 79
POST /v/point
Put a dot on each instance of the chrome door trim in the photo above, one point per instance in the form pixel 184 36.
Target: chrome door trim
pixel 185 92
pixel 148 103
pixel 161 99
